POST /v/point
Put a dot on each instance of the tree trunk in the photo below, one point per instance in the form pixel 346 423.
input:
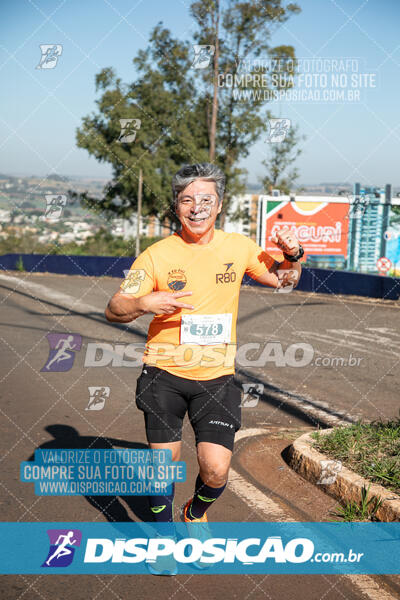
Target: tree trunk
pixel 139 213
pixel 214 114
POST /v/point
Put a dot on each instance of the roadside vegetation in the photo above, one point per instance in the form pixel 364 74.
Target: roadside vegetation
pixel 365 510
pixel 101 243
pixel 370 449
pixel 373 451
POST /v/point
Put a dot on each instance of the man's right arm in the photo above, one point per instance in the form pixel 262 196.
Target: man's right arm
pixel 123 308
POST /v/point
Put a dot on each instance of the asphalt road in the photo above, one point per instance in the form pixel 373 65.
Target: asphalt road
pixel 50 409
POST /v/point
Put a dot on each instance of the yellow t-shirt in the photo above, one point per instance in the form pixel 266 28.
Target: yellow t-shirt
pixel 197 344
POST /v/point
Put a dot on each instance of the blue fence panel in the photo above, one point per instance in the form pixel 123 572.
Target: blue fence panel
pixel 96 266
pixel 323 281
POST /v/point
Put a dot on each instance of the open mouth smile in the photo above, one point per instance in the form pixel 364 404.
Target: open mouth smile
pixel 197 219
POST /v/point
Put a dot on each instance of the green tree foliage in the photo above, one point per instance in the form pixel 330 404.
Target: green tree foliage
pixel 170 132
pixel 175 104
pixel 282 155
pixel 241 33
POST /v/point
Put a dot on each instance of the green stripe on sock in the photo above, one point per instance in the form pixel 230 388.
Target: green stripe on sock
pixel 157 509
pixel 206 499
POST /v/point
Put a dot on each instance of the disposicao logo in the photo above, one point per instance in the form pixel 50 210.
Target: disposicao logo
pixel 190 550
pixel 62 547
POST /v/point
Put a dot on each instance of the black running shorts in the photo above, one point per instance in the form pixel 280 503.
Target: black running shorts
pixel 213 407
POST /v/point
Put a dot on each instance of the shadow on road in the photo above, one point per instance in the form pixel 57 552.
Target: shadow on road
pixel 97 317
pixel 68 438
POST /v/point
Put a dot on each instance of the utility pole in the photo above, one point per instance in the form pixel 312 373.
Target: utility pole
pixel 139 213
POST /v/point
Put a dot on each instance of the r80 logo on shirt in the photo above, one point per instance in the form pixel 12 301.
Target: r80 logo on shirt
pixel 227 277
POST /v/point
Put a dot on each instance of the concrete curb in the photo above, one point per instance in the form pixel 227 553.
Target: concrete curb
pixel 337 480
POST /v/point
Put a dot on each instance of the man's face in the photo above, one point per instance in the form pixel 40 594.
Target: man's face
pixel 197 207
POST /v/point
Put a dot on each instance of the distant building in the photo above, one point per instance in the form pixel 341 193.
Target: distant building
pixel 242 219
pixel 367 242
pixel 5 216
pixel 242 216
pixel 150 226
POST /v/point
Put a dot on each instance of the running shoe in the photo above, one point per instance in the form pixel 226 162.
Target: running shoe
pixel 163 565
pixel 198 529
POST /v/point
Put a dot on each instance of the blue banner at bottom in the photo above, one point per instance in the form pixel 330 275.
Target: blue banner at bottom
pixel 213 548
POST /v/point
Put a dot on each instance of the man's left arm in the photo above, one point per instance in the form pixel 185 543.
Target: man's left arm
pixel 286 272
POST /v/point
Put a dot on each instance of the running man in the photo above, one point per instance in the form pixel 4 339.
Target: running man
pixel 98 397
pixel 190 281
pixel 63 345
pixel 62 549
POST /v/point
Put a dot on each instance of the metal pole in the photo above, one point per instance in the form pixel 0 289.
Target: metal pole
pixel 353 228
pixel 139 213
pixel 385 217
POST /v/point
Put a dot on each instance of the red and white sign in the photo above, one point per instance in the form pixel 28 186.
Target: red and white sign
pixel 320 226
pixel 384 264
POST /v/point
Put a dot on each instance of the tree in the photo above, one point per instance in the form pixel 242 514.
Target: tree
pixel 240 33
pixel 170 128
pixel 282 156
pixel 180 114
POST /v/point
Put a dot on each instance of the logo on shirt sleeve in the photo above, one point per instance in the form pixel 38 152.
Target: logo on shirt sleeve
pixel 176 280
pixel 133 281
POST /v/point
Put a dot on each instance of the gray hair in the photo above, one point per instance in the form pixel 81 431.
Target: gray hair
pixel 188 173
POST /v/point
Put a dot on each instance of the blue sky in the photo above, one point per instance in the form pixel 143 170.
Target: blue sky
pixel 41 109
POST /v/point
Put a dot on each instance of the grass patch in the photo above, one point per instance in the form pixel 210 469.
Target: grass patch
pixel 19 265
pixel 365 510
pixel 370 449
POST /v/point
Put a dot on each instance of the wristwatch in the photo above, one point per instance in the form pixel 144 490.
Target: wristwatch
pixel 295 258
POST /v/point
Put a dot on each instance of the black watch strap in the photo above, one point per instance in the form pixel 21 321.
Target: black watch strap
pixel 294 258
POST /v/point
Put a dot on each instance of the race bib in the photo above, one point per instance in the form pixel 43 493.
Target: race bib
pixel 206 329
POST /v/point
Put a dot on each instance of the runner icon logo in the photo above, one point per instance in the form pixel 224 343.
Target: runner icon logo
pixel 55 204
pixel 287 280
pixel 202 55
pixel 62 547
pixel 251 394
pixel 50 55
pixel 129 129
pixel 62 351
pixel 329 471
pixel 97 397
pixel 133 280
pixel 278 130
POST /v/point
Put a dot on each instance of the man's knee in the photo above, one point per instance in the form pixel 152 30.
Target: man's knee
pixel 214 475
pixel 175 449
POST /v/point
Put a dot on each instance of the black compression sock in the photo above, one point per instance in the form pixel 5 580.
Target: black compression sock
pixel 162 507
pixel 204 496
